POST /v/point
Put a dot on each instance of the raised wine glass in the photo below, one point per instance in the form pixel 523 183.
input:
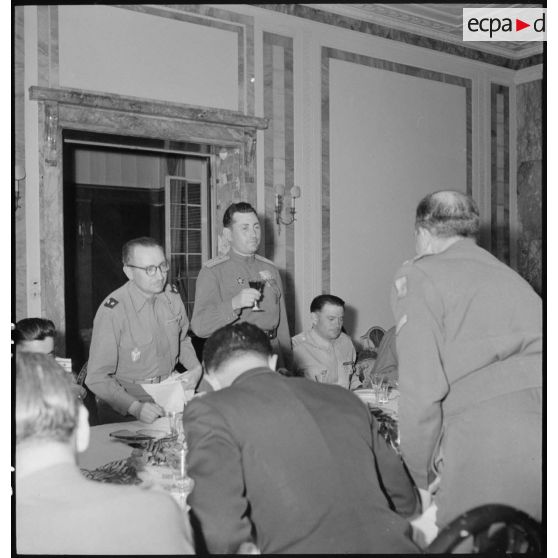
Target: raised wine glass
pixel 259 285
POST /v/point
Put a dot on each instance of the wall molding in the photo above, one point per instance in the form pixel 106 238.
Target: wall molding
pixel 145 107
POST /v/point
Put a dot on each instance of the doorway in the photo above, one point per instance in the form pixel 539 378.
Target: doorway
pixel 117 188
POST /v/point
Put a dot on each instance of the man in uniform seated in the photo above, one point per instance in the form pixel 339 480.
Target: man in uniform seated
pixel 223 292
pixel 139 336
pixel 59 511
pixel 324 353
pixel 290 465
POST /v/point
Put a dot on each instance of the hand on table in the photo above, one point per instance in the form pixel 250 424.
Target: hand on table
pixel 148 412
pixel 245 298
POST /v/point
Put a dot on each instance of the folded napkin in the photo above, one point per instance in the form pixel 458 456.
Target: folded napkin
pixel 170 393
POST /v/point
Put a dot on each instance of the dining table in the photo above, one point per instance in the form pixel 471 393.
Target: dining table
pixel 152 456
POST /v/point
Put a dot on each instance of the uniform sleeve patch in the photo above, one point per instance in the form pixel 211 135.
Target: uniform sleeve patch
pixel 111 302
pixel 401 286
pixel 401 323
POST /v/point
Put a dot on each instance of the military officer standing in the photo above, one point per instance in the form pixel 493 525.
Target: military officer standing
pixel 469 344
pixel 139 335
pixel 223 293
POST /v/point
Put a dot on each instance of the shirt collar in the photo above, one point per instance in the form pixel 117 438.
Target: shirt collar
pixel 241 257
pixel 138 298
pixel 252 372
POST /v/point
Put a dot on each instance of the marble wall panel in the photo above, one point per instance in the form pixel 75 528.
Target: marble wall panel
pixel 529 98
pixel 20 262
pixel 279 157
pixel 327 55
pixel 499 173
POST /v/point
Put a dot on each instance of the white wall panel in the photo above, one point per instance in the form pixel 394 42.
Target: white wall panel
pixel 394 138
pixel 129 53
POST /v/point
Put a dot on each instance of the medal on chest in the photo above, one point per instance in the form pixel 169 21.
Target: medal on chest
pixel 136 353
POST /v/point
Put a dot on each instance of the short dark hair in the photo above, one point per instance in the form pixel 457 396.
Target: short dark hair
pixel 232 341
pixel 33 329
pixel 45 406
pixel 448 213
pixel 321 300
pixel 146 241
pixel 240 207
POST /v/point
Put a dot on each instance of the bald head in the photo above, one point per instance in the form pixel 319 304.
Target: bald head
pixel 447 214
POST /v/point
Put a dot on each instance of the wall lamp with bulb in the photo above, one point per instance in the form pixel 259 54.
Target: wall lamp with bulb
pixel 280 204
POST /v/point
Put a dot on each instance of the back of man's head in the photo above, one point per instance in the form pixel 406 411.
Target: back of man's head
pixel 321 300
pixel 239 207
pixel 46 409
pixel 233 342
pixel 145 241
pixel 448 213
pixel 33 329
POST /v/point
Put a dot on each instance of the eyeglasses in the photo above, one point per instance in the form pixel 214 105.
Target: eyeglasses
pixel 151 270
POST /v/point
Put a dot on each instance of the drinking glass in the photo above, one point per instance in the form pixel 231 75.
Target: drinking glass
pixel 259 285
pixel 383 393
pixel 175 424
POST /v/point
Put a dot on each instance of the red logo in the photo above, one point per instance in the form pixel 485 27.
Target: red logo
pixel 519 25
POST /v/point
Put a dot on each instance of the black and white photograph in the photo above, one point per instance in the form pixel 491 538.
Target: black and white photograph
pixel 278 278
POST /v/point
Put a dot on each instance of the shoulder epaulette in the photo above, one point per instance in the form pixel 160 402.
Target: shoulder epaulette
pixel 111 302
pixel 215 261
pixel 262 259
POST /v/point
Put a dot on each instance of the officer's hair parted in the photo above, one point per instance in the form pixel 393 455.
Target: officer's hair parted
pixel 233 341
pixel 240 207
pixel 321 300
pixel 45 406
pixel 448 213
pixel 146 241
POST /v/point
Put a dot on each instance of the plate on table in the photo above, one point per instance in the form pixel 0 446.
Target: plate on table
pixel 130 436
pixel 155 434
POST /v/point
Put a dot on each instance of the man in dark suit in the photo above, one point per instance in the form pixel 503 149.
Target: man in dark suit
pixel 291 465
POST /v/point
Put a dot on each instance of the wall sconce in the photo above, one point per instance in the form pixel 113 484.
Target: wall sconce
pixel 51 134
pixel 19 176
pixel 280 202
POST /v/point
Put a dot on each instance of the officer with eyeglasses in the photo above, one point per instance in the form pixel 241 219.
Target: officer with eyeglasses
pixel 139 336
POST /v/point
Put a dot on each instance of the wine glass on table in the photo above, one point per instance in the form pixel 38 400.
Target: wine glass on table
pixel 257 283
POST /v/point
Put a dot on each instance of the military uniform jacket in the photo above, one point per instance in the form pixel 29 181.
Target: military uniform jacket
pixel 469 330
pixel 137 338
pixel 221 279
pixel 312 353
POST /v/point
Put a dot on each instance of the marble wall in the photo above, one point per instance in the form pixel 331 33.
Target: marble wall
pixel 529 181
pixel 20 263
pixel 279 157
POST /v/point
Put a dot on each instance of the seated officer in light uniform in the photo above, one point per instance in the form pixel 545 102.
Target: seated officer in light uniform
pixel 139 336
pixel 223 293
pixel 324 353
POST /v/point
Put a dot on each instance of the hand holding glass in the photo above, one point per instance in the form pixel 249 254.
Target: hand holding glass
pixel 259 285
